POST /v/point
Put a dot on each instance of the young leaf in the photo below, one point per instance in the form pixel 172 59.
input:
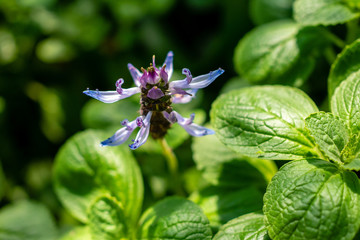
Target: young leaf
pixel 312 199
pixel 273 52
pixel 330 133
pixel 78 233
pixel 106 219
pixel 351 153
pixel 264 11
pixel 26 220
pixel 265 121
pixel 345 102
pixel 250 227
pixel 174 218
pixel 346 63
pixel 84 171
pixel 221 205
pixel 223 167
pixel 323 12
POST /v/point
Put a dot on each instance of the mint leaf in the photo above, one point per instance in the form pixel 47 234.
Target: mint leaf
pixel 264 11
pixel 346 63
pixel 250 227
pixel 78 233
pixel 221 205
pixel 84 171
pixel 174 218
pixel 223 167
pixel 323 12
pixel 273 52
pixel 26 220
pixel 345 102
pixel 351 153
pixel 106 219
pixel 312 199
pixel 330 133
pixel 265 121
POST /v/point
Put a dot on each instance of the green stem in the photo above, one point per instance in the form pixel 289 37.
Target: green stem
pixel 173 166
pixel 330 55
pixel 352 31
pixel 334 39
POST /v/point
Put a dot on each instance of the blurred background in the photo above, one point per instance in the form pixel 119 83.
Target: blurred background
pixel 51 50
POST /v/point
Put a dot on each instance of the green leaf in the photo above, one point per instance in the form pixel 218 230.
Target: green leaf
pixel 221 205
pixel 265 121
pixel 351 153
pixel 264 11
pixel 345 102
pixel 312 199
pixel 106 219
pixel 247 227
pixel 274 52
pixel 224 167
pixel 84 171
pixel 26 220
pixel 323 12
pixel 346 63
pixel 174 218
pixel 330 133
pixel 96 114
pixel 78 233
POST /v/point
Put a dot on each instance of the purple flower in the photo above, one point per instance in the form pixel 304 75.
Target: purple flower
pixel 157 95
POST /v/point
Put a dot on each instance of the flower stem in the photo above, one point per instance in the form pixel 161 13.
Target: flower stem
pixel 333 38
pixel 172 165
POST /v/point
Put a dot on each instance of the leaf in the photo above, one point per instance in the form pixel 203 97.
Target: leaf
pixel 224 167
pixel 346 63
pixel 96 114
pixel 246 227
pixel 264 11
pixel 323 12
pixel 106 219
pixel 345 102
pixel 221 205
pixel 351 153
pixel 84 171
pixel 265 121
pixel 312 199
pixel 329 133
pixel 174 218
pixel 26 220
pixel 273 52
pixel 78 233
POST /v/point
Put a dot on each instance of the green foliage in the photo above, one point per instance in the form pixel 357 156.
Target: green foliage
pixel 324 12
pixel 106 219
pixel 223 167
pixel 97 171
pixel 346 63
pixel 79 233
pixel 345 102
pixel 312 199
pixel 221 205
pixel 250 227
pixel 27 220
pixel 275 53
pixel 258 122
pixel 329 133
pixel 174 218
pixel 263 11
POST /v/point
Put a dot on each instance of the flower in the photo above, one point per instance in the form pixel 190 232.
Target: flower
pixel 157 95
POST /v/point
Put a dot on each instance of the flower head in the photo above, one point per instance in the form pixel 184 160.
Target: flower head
pixel 157 95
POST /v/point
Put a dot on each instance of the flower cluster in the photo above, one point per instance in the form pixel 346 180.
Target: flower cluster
pixel 157 95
